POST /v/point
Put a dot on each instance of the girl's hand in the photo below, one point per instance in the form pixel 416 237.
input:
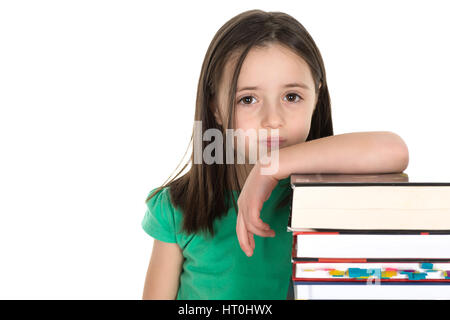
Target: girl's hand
pixel 256 191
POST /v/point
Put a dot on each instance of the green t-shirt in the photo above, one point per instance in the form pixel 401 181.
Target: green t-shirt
pixel 217 268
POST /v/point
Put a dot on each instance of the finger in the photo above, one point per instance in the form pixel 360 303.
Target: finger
pixel 258 232
pixel 257 226
pixel 251 240
pixel 254 219
pixel 242 235
pixel 259 223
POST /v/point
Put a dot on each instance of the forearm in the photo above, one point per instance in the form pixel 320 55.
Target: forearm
pixel 357 153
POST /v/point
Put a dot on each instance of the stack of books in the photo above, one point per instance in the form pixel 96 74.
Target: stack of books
pixel 375 236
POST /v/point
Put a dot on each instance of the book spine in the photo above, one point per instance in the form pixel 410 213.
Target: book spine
pixel 369 260
pixel 371 281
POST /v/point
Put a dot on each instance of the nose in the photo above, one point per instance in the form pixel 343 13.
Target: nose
pixel 272 116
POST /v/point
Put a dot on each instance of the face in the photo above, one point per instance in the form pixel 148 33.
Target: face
pixel 275 90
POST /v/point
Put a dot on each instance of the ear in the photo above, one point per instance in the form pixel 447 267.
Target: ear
pixel 317 95
pixel 216 113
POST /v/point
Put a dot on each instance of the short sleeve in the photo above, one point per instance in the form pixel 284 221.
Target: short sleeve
pixel 159 220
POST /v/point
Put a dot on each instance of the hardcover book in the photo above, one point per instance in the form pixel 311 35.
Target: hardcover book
pixel 368 202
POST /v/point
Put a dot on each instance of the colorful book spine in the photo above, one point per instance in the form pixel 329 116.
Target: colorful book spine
pixel 310 272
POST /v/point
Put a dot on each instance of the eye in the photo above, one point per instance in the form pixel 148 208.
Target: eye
pixel 246 99
pixel 293 95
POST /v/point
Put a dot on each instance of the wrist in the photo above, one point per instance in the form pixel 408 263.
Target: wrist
pixel 271 165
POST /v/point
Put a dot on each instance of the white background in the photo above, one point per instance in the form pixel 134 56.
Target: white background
pixel 97 103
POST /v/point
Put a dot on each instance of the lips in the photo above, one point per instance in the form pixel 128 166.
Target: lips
pixel 272 140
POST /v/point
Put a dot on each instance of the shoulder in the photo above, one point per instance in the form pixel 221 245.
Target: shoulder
pixel 159 198
pixel 160 219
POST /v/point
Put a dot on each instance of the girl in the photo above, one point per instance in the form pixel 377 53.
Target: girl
pixel 262 70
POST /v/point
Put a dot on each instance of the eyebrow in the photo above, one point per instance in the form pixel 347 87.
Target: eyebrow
pixel 289 85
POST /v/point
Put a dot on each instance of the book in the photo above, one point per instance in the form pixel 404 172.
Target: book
pixel 367 270
pixel 368 202
pixel 382 291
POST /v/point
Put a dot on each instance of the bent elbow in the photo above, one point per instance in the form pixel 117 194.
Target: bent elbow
pixel 404 159
pixel 402 153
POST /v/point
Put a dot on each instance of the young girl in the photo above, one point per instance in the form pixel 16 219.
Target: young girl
pixel 262 70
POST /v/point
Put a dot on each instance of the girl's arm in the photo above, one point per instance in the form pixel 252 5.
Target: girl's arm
pixel 357 153
pixel 163 274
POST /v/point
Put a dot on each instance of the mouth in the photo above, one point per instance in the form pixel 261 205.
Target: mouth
pixel 272 141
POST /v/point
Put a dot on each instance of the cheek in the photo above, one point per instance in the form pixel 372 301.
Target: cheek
pixel 248 135
pixel 244 121
pixel 299 132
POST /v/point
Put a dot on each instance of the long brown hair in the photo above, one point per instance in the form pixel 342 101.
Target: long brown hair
pixel 201 193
